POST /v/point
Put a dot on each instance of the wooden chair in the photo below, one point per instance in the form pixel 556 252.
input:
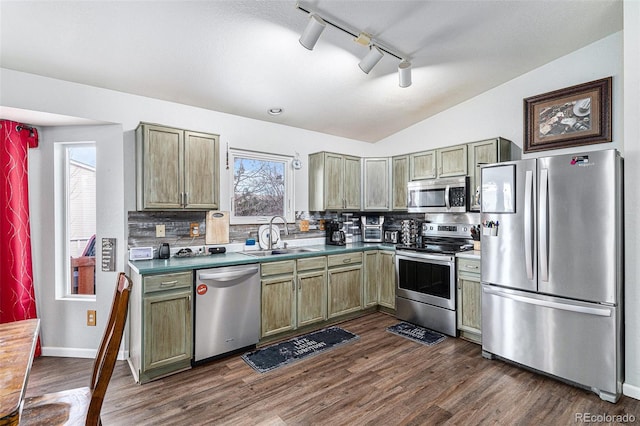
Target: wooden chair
pixel 82 406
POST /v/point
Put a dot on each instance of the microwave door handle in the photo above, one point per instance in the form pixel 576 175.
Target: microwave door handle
pixel 446 197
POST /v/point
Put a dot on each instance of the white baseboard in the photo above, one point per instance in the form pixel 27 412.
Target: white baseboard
pixel 77 353
pixel 631 391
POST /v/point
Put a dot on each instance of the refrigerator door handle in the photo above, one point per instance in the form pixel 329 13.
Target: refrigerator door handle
pixel 447 203
pixel 528 223
pixel 544 225
pixel 603 312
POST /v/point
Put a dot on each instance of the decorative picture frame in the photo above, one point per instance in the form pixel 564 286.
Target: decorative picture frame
pixel 573 116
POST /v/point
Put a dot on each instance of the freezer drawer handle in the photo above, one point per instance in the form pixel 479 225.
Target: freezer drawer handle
pixel 227 276
pixel 603 312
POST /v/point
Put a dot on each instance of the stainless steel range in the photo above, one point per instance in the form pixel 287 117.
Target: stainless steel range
pixel 426 276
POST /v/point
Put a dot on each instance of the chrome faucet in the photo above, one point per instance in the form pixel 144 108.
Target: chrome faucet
pixel 286 229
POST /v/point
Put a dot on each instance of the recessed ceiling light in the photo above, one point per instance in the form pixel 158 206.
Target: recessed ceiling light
pixel 275 111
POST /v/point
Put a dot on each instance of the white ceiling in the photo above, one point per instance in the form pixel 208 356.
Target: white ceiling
pixel 243 57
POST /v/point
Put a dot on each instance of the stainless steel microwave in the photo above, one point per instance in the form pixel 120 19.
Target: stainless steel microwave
pixel 449 195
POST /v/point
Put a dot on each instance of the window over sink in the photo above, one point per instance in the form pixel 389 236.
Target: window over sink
pixel 262 186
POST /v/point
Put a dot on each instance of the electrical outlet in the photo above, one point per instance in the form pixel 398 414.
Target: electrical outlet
pixel 194 230
pixel 159 231
pixel 91 317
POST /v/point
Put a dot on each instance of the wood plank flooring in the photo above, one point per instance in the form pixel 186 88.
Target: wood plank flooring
pixel 381 379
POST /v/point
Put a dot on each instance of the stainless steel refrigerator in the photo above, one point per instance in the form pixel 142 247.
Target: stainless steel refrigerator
pixel 552 267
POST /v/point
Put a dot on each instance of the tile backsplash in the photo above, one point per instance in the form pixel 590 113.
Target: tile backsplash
pixel 142 226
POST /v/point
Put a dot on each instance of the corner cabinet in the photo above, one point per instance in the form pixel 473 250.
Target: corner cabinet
pixel 176 169
pixel 379 279
pixel 469 291
pixel 161 327
pixel 334 182
pixel 375 180
pixel 399 180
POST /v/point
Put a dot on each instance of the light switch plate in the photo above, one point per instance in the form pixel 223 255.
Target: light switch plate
pixel 91 317
pixel 159 231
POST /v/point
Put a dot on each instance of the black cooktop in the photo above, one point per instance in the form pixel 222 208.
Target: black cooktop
pixel 443 245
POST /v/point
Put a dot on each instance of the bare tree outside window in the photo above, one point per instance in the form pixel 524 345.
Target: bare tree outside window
pixel 260 185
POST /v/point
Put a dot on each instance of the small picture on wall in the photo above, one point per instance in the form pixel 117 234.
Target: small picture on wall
pixel 577 115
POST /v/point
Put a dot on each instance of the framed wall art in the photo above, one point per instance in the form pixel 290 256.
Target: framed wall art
pixel 577 115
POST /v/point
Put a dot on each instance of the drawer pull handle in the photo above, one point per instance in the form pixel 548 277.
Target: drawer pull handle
pixel 471 267
pixel 168 283
pixel 346 261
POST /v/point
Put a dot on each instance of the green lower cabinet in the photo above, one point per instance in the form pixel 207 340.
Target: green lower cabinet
pixel 294 294
pixel 387 279
pixel 161 324
pixel 469 293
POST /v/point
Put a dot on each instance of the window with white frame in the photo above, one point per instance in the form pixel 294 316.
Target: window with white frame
pixel 75 173
pixel 261 187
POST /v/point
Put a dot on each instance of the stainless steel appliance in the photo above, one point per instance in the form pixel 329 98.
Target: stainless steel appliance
pixel 372 229
pixel 335 235
pixel 552 267
pixel 426 276
pixel 227 310
pixel 449 195
pixel 392 237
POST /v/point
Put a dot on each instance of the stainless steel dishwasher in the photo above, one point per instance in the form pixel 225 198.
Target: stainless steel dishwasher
pixel 227 310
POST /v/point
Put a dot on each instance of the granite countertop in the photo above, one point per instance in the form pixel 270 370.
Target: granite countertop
pixel 175 264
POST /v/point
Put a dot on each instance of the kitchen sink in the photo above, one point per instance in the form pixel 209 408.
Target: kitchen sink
pixel 275 252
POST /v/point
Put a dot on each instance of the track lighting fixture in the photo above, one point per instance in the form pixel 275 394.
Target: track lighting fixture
pixel 316 26
pixel 373 57
pixel 404 73
pixel 312 32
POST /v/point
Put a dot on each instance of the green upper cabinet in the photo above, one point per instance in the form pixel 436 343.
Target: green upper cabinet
pixel 176 169
pixel 376 182
pixel 334 182
pixel 399 179
pixel 422 165
pixel 438 163
pixel 486 152
pixel 452 161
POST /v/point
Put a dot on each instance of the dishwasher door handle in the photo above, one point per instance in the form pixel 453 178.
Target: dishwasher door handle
pixel 228 276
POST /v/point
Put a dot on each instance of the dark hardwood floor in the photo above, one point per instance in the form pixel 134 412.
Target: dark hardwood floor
pixel 381 379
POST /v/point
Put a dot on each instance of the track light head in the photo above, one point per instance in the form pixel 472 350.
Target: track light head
pixel 404 73
pixel 312 32
pixel 373 57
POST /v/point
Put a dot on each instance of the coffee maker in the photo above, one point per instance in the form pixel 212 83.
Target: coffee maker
pixel 335 234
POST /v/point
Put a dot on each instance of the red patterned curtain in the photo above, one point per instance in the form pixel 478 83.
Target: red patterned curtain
pixel 17 298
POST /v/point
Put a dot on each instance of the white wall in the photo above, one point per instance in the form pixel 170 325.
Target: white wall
pixel 499 112
pixel 63 329
pixel 632 195
pixel 31 92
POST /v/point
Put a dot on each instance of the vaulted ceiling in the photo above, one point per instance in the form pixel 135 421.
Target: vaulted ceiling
pixel 243 57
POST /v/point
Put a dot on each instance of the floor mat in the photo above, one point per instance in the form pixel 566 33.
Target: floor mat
pixel 416 333
pixel 297 348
